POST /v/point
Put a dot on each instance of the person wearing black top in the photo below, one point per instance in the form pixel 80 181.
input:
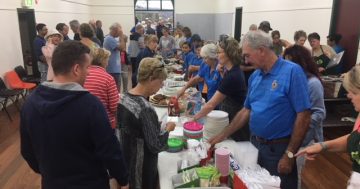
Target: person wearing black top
pixel 149 51
pixel 99 32
pixel 232 90
pixel 75 27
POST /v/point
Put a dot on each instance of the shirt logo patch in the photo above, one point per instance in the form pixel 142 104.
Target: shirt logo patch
pixel 274 85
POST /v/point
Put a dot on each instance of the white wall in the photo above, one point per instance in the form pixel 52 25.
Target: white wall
pixel 48 12
pixel 10 54
pixel 287 16
pixel 195 6
pixel 52 12
pixel 110 11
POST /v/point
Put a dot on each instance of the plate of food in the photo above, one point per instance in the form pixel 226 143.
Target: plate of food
pixel 159 100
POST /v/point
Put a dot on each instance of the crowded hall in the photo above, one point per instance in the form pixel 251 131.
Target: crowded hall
pixel 170 94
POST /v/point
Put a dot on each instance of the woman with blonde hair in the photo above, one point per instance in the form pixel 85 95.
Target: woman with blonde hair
pixel 53 39
pixel 101 84
pixel 349 143
pixel 141 138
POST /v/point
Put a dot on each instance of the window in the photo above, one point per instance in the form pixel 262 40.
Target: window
pixel 155 10
pixel 154 5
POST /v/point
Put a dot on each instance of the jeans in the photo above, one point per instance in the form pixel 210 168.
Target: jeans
pixel 43 68
pixel 269 157
pixel 124 77
pixel 116 77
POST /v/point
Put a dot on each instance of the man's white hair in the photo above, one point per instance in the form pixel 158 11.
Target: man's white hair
pixel 115 26
pixel 257 39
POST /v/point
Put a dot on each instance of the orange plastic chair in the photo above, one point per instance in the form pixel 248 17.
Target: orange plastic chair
pixel 15 82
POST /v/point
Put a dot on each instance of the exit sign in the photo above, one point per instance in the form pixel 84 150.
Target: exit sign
pixel 28 3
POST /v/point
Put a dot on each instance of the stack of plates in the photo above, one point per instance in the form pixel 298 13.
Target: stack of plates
pixel 193 130
pixel 215 123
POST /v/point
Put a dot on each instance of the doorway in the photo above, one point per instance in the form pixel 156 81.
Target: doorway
pixel 27 34
pixel 238 23
pixel 345 20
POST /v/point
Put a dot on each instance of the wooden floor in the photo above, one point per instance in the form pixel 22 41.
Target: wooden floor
pixel 330 170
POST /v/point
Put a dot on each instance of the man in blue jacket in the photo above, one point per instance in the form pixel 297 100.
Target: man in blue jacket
pixel 65 132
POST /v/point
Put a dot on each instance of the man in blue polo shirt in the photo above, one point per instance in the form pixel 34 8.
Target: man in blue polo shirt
pixel 277 108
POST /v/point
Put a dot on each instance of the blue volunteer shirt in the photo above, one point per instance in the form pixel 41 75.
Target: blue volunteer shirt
pixel 197 61
pixel 212 79
pixel 187 57
pixel 275 98
pixel 111 44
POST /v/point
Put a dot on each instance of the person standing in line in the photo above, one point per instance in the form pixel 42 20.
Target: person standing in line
pixel 149 30
pixel 75 27
pixel 277 108
pixel 63 29
pixel 39 42
pixel 151 42
pixel 53 40
pixel 65 132
pixel 99 32
pixel 135 46
pixel 167 44
pixel 101 84
pixel 114 46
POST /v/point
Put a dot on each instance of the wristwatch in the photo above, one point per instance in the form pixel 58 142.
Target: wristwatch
pixel 289 154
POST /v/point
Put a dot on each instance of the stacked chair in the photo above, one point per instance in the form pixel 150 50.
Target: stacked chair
pixel 9 94
pixel 21 72
pixel 14 82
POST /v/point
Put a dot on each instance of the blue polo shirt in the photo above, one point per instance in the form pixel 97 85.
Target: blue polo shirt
pixel 212 79
pixel 111 44
pixel 275 98
pixel 187 57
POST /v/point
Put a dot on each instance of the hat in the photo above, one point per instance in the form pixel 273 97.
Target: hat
pixel 265 24
pixel 52 33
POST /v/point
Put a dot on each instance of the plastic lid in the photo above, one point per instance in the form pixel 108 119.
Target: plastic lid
pixel 193 126
pixel 175 143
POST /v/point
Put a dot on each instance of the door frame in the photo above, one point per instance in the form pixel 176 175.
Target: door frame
pixel 238 23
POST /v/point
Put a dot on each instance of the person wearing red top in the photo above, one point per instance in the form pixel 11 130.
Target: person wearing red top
pixel 101 84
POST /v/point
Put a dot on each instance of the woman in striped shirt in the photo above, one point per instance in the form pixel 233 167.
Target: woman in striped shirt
pixel 101 84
